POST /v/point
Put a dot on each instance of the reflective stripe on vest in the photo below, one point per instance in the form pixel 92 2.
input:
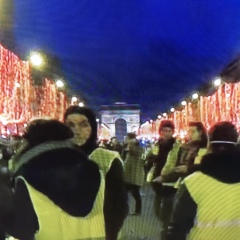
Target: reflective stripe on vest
pixel 218 208
pixel 104 158
pixel 56 224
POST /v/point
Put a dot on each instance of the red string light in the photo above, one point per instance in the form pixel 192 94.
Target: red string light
pixel 20 100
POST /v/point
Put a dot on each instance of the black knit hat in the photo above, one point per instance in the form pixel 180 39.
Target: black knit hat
pixel 166 124
pixel 223 132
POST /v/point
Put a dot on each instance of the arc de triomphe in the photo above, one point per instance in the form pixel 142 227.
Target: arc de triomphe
pixel 121 118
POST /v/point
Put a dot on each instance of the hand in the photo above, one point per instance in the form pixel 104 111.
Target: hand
pixel 181 169
pixel 157 179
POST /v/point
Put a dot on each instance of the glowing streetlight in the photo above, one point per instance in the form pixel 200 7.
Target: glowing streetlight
pixel 59 83
pixel 36 59
pixel 217 82
pixel 97 120
pixel 159 116
pixel 172 110
pixel 164 114
pixel 81 104
pixel 183 103
pixel 195 96
pixel 74 99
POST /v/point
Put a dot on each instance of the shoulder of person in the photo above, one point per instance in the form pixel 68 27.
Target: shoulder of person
pixel 177 143
pixel 100 153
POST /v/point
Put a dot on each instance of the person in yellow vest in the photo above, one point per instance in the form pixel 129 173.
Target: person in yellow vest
pixel 83 123
pixel 58 193
pixel 134 171
pixel 207 204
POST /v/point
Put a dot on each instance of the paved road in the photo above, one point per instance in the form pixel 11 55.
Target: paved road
pixel 146 226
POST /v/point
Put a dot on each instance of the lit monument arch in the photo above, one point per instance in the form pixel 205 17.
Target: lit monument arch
pixel 121 118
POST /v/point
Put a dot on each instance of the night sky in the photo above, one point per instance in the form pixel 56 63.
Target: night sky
pixel 151 52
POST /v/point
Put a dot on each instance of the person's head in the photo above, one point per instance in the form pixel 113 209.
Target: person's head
pixel 42 130
pixel 222 137
pixel 114 140
pixel 132 138
pixel 82 121
pixel 166 129
pixel 197 132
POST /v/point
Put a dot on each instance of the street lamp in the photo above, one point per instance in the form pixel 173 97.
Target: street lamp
pixel 59 83
pixel 183 103
pixel 36 59
pixel 164 114
pixel 172 110
pixel 217 82
pixel 81 104
pixel 195 96
pixel 74 99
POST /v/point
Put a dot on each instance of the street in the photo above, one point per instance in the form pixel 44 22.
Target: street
pixel 143 227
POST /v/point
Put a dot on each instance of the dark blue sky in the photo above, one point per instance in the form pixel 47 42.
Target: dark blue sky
pixel 151 52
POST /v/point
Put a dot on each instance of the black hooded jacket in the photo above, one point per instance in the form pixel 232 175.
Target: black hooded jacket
pixel 64 175
pixel 224 167
pixel 115 204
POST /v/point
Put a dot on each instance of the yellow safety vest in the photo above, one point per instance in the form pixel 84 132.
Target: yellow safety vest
pixel 218 208
pixel 201 153
pixel 104 158
pixel 56 224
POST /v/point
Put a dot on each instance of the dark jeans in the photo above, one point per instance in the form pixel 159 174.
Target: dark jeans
pixel 163 205
pixel 135 191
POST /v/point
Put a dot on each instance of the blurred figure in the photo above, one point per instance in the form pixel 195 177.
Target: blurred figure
pixel 83 123
pixel 102 144
pixel 115 145
pixel 58 194
pixel 124 148
pixel 134 171
pixel 208 200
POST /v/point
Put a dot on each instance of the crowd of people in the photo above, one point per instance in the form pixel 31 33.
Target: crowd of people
pixel 59 182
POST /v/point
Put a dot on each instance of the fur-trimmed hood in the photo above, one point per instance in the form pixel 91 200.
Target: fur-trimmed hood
pixel 64 175
pixel 224 167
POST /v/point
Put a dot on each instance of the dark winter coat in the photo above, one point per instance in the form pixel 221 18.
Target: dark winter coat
pixel 64 175
pixel 159 160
